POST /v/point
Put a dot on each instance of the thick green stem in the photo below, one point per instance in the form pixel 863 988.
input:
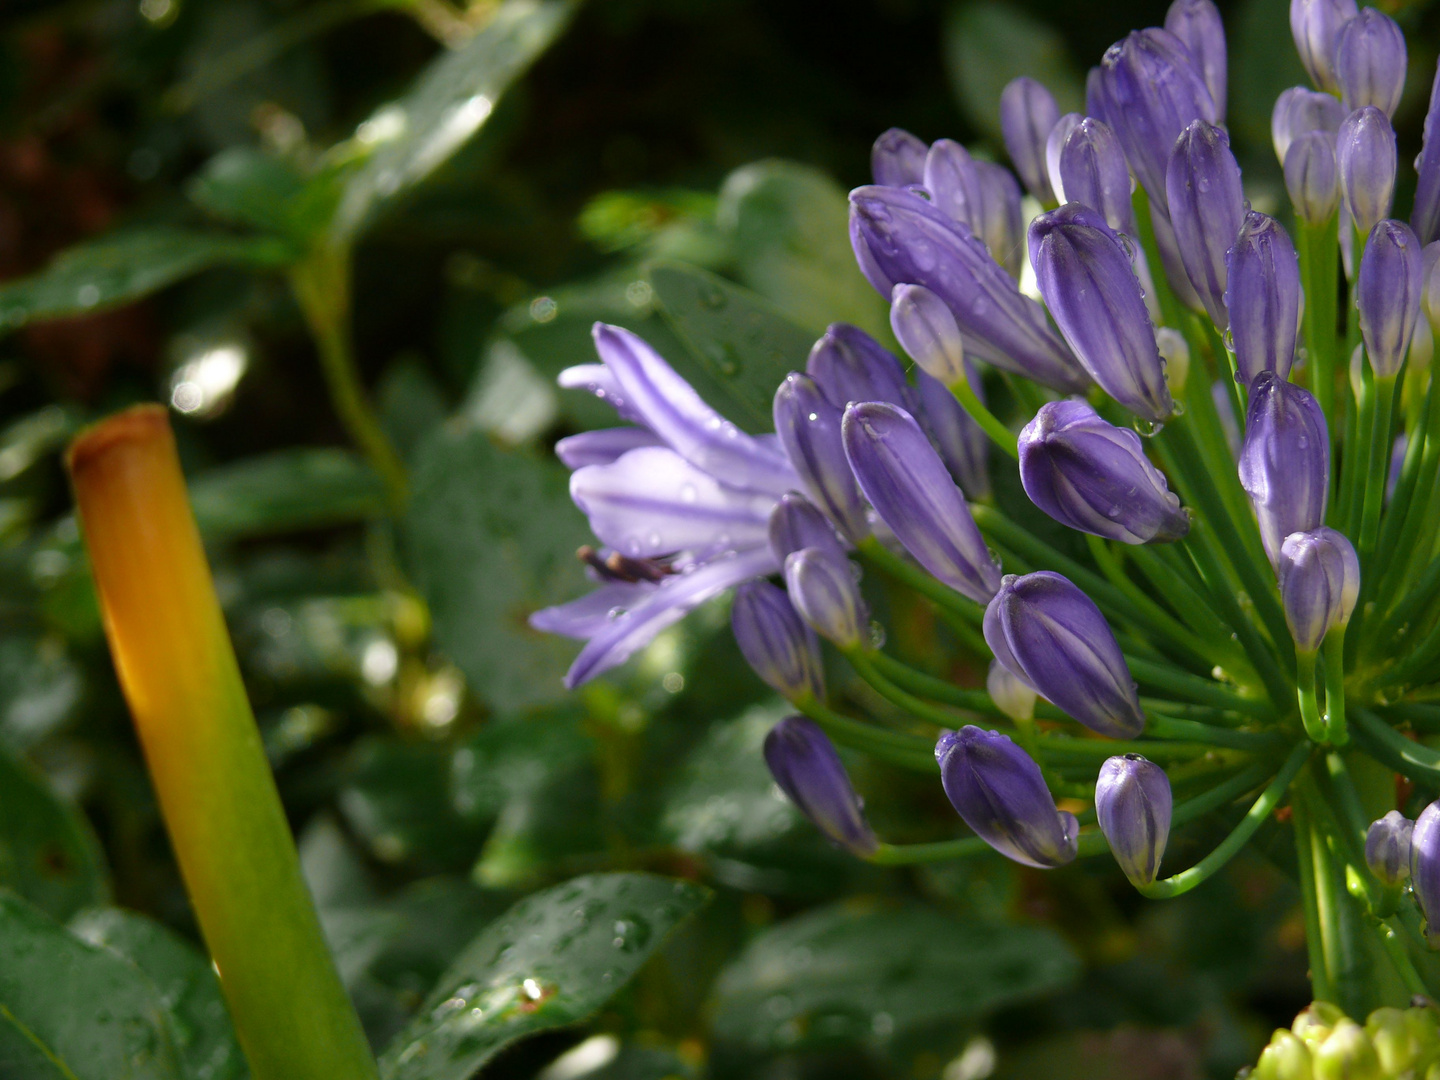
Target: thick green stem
pixel 1378 466
pixel 999 434
pixel 1322 987
pixel 1356 465
pixel 1385 744
pixel 1305 694
pixel 898 748
pixel 1337 732
pixel 939 851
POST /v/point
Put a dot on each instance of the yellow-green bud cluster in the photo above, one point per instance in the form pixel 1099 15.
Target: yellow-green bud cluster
pixel 1325 1044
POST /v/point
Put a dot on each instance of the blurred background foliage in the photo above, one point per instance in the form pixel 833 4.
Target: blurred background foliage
pixel 676 166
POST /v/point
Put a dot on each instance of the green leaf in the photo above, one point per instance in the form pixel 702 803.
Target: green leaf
pixel 987 43
pixel 47 852
pixel 286 491
pixel 186 981
pixel 491 537
pixel 247 187
pixel 788 226
pixel 552 960
pixel 511 759
pixel 742 347
pixel 92 1015
pixel 447 106
pixel 124 266
pixel 40 687
pixel 860 972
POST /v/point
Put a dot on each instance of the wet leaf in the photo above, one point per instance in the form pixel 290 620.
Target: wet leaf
pixel 248 187
pixel 743 346
pixel 286 491
pixel 40 687
pixel 189 989
pixel 125 266
pixel 48 854
pixel 551 961
pixel 862 972
pixel 87 1012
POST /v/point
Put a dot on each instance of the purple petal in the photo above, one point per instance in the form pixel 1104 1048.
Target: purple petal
pixel 603 446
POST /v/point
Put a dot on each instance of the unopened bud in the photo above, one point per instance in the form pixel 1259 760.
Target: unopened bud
pixel 1347 1054
pixel 1387 848
pixel 1011 694
pixel 1286 1058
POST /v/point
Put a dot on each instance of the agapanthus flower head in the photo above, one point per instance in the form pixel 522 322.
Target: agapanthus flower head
pixel 1085 275
pixel 926 330
pixel 805 765
pixel 1197 23
pixel 1000 793
pixel 1050 634
pixel 1152 91
pixel 776 643
pixel 1299 111
pixel 1388 293
pixel 1093 171
pixel 1370 61
pixel 1094 477
pixel 1207 206
pixel 1315 25
pixel 1365 153
pixel 900 237
pixel 1319 575
pixel 1312 177
pixel 808 425
pixel 797 523
pixel 1425 869
pixel 1027 113
pixel 1387 848
pixel 1012 695
pixel 981 195
pixel 850 365
pixel 1133 806
pixel 1426 216
pixel 1262 294
pixel 1054 143
pixel 915 495
pixel 823 590
pixel 960 441
pixel 898 159
pixel 1285 460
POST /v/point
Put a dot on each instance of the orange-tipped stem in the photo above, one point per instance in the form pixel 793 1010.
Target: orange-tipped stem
pixel 223 813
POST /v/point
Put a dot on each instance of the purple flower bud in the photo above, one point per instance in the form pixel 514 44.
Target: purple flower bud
pixel 1319 580
pixel 1094 477
pixel 1197 23
pixel 1315 25
pixel 1000 793
pixel 780 648
pixel 1365 152
pixel 1132 804
pixel 1387 848
pixel 1093 172
pixel 1388 294
pixel 807 768
pixel 823 590
pixel 1089 286
pixel 1426 218
pixel 1299 111
pixel 962 443
pixel 1027 113
pixel 1050 634
pixel 1312 177
pixel 1430 298
pixel 1054 143
pixel 980 195
pixel 1207 206
pixel 1425 869
pixel 1011 694
pixel 1284 460
pixel 1170 260
pixel 900 237
pixel 909 487
pixel 1153 91
pixel 1095 94
pixel 1370 62
pixel 808 426
pixel 1262 293
pixel 898 159
pixel 927 332
pixel 850 365
pixel 797 523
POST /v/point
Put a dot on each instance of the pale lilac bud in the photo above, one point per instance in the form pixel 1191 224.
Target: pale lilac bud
pixel 1425 869
pixel 1426 217
pixel 1093 172
pixel 1319 577
pixel 1027 113
pixel 1132 805
pixel 1312 177
pixel 1388 293
pixel 1050 634
pixel 810 773
pixel 1387 848
pixel 1370 62
pixel 1012 695
pixel 1054 143
pixel 1170 260
pixel 850 365
pixel 898 159
pixel 1000 793
pixel 1262 293
pixel 1085 275
pixel 962 443
pixel 1315 25
pixel 1299 111
pixel 808 427
pixel 912 491
pixel 1365 152
pixel 1094 477
pixel 1284 460
pixel 797 523
pixel 822 589
pixel 780 648
pixel 1197 23
pixel 980 195
pixel 926 330
pixel 1207 206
